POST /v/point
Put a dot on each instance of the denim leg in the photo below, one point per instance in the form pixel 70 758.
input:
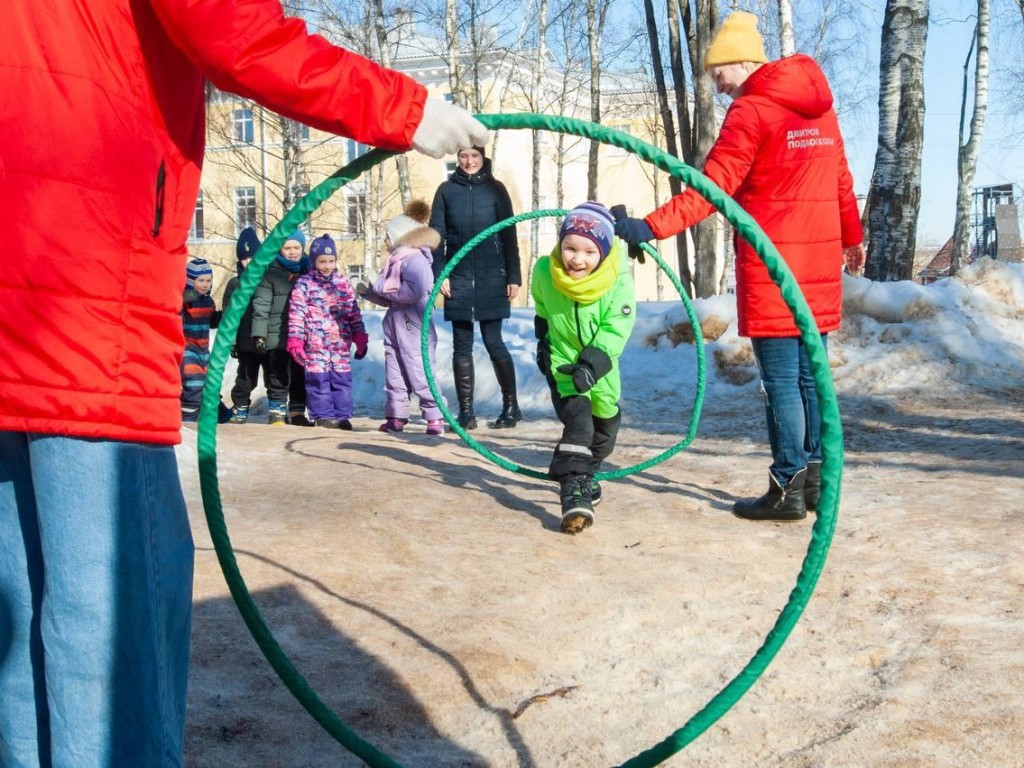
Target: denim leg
pixel 812 413
pixel 24 718
pixel 115 615
pixel 779 362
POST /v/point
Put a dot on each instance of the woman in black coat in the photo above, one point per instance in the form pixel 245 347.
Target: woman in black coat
pixel 483 283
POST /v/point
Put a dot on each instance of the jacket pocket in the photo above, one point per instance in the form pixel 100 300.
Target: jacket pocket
pixel 161 188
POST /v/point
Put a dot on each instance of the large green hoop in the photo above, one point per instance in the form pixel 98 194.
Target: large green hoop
pixel 511 466
pixel 831 436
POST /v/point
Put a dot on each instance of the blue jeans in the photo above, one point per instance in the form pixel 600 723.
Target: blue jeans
pixel 791 404
pixel 96 564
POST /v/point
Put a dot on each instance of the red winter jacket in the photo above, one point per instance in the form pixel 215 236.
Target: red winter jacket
pixel 101 143
pixel 780 156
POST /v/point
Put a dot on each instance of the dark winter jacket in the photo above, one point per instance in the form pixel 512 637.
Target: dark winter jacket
pixel 243 341
pixel 270 305
pixel 464 206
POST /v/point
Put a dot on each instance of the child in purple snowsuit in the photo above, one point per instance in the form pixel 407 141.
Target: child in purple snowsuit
pixel 403 287
pixel 323 322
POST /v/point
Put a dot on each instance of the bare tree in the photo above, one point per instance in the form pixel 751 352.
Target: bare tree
pixel 967 151
pixel 895 197
pixel 597 13
pixel 787 42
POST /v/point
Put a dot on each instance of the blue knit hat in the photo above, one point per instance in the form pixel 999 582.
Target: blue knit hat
pixel 321 246
pixel 196 268
pixel 297 235
pixel 592 221
pixel 247 245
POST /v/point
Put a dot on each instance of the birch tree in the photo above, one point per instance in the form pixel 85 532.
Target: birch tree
pixel 787 42
pixel 894 200
pixel 597 13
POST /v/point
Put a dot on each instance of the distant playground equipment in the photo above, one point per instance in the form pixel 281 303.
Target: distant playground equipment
pixel 831 436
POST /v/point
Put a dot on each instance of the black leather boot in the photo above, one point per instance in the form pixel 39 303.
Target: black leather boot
pixel 462 367
pixel 780 503
pixel 505 371
pixel 812 486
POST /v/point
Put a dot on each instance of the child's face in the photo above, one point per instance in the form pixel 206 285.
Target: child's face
pixel 580 256
pixel 325 264
pixel 292 250
pixel 470 161
pixel 203 284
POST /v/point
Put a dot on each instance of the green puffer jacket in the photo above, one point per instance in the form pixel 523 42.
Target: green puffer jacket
pixel 600 319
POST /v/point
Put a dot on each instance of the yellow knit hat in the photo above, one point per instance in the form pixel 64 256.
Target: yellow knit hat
pixel 736 40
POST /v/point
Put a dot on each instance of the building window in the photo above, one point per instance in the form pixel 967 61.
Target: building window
pixel 198 230
pixel 356 273
pixel 304 132
pixel 355 149
pixel 355 205
pixel 245 208
pixel 449 168
pixel 449 98
pixel 243 125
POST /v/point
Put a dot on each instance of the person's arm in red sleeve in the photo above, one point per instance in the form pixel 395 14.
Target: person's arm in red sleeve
pixel 849 213
pixel 249 48
pixel 727 165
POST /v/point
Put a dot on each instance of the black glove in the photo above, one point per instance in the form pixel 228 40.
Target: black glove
pixel 540 330
pixel 261 344
pixel 633 231
pixel 593 363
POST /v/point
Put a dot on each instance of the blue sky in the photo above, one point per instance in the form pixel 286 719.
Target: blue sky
pixel 1002 153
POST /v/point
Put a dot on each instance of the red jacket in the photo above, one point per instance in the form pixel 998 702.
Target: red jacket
pixel 101 142
pixel 780 156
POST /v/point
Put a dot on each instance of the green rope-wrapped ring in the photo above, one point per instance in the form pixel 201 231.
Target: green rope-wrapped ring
pixel 831 436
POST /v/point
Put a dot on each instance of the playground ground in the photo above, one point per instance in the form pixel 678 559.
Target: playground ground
pixel 429 598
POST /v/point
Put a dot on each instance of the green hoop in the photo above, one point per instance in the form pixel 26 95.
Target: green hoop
pixel 831 437
pixel 511 466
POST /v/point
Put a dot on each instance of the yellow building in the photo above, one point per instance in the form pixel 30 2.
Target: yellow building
pixel 257 164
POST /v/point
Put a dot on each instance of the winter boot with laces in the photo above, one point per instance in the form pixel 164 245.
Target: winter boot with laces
pixel 577 506
pixel 595 492
pixel 781 502
pixel 239 414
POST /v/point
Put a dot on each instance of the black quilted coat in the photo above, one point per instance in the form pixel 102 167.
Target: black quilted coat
pixel 463 207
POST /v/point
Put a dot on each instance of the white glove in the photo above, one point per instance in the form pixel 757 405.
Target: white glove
pixel 446 128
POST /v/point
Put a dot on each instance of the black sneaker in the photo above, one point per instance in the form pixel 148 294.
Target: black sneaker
pixel 328 423
pixel 595 493
pixel 300 420
pixel 577 506
pixel 344 424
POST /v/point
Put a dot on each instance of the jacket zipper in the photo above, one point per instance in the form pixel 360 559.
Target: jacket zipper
pixel 158 216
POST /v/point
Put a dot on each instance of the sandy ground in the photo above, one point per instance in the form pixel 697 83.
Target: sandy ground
pixel 429 598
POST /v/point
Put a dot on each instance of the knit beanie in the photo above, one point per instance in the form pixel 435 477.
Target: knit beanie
pixel 416 215
pixel 592 221
pixel 247 245
pixel 297 236
pixel 196 268
pixel 322 246
pixel 736 40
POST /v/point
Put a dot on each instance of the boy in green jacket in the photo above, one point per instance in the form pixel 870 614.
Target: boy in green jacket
pixel 586 307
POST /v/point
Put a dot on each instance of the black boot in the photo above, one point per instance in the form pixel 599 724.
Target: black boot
pixel 463 370
pixel 577 504
pixel 812 486
pixel 505 371
pixel 780 503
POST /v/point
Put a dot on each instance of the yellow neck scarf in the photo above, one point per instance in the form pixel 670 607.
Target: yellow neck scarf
pixel 590 288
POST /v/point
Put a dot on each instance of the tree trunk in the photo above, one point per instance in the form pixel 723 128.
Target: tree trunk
pixel 967 152
pixel 786 43
pixel 384 57
pixel 451 33
pixel 895 198
pixel 536 87
pixel 665 110
pixel 699 35
pixel 597 12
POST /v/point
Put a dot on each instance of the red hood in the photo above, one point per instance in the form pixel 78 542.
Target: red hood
pixel 795 82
